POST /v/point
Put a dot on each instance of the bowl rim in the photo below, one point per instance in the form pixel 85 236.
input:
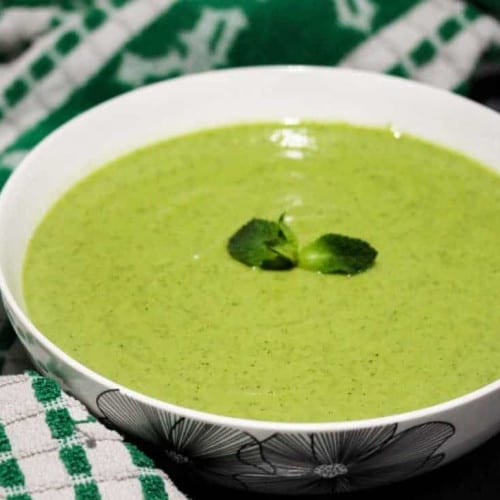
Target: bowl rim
pixel 213 418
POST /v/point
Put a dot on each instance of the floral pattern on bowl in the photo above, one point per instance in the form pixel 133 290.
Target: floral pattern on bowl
pixel 298 463
pixel 331 462
pixel 208 449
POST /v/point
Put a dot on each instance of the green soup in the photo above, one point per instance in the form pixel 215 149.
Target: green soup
pixel 129 273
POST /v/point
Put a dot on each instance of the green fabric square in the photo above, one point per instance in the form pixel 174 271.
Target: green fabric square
pixel 20 496
pixel 15 91
pixel 75 460
pixel 88 491
pixel 10 474
pixel 55 22
pixel 153 488
pixel 41 67
pixel 4 440
pixel 45 390
pixel 119 3
pixel 449 29
pixel 398 70
pixel 138 458
pixel 8 335
pixel 94 18
pixel 461 88
pixel 60 423
pixel 67 42
pixel 470 13
pixel 423 53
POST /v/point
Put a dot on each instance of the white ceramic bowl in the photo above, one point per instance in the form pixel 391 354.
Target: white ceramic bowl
pixel 260 456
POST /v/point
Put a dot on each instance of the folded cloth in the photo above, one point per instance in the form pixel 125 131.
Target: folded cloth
pixel 52 449
pixel 59 58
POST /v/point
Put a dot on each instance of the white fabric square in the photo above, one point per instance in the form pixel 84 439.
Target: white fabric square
pixel 30 435
pixel 109 459
pixel 123 490
pixel 44 471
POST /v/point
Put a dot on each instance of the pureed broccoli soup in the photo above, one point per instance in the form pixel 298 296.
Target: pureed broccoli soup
pixel 130 273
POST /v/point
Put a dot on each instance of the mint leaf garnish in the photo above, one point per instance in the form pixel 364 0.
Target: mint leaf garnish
pixel 273 245
pixel 265 244
pixel 335 253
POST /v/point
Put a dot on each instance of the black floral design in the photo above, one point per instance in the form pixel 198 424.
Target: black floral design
pixel 208 449
pixel 331 462
pixel 316 463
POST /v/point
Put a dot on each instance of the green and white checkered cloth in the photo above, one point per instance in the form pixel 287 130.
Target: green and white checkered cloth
pixel 52 449
pixel 61 57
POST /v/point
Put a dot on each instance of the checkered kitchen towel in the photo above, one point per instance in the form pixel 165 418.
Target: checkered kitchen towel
pixel 52 449
pixel 60 57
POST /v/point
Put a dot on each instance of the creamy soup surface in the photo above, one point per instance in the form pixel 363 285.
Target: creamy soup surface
pixel 129 273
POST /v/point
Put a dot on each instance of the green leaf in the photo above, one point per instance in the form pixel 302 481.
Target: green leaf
pixel 335 253
pixel 265 244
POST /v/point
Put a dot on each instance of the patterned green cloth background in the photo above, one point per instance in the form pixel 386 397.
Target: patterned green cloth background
pixel 60 57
